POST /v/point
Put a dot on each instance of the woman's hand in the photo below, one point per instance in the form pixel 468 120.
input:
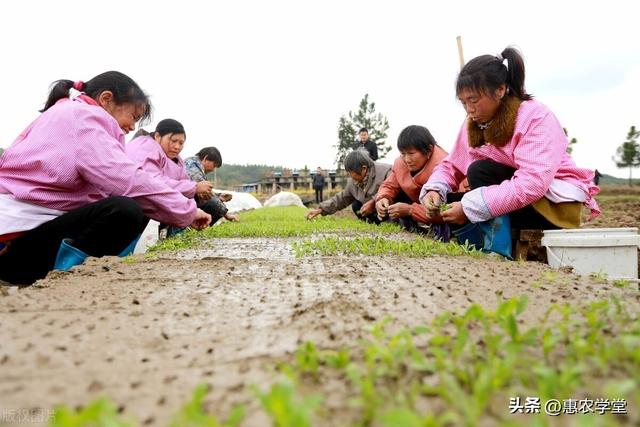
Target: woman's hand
pixel 204 196
pixel 202 220
pixel 313 213
pixel 204 187
pixel 381 208
pixel 455 214
pixel 399 210
pixel 232 217
pixel 431 202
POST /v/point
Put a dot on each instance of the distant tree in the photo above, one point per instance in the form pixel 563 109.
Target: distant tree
pixel 1 151
pixel 572 141
pixel 628 154
pixel 365 117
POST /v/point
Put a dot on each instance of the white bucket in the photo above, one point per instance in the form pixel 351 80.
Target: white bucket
pixel 608 251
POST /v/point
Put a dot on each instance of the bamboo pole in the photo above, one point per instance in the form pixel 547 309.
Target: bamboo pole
pixel 460 54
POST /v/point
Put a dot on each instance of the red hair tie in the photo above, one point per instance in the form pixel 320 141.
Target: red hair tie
pixel 79 85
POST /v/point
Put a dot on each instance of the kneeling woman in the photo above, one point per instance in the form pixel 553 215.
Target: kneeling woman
pixel 67 189
pixel 513 151
pixel 398 196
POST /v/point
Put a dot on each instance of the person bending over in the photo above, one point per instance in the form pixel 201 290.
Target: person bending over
pixel 365 178
pixel 67 188
pixel 206 161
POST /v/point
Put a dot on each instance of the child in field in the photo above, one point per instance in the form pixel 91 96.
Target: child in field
pixel 67 189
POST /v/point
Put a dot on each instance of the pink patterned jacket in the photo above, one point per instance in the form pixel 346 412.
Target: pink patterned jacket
pixel 73 154
pixel 146 152
pixel 537 151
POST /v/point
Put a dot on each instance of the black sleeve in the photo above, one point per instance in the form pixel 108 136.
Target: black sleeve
pixel 373 150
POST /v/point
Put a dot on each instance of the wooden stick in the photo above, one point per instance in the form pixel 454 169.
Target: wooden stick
pixel 460 54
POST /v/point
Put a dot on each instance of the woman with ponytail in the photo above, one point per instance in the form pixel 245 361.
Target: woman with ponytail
pixel 512 149
pixel 67 188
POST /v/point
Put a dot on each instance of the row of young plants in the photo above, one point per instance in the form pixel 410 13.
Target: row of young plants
pixel 380 245
pixel 355 237
pixel 460 370
pixel 288 221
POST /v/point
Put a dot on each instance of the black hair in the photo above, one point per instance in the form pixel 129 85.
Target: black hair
pixel 210 153
pixel 124 90
pixel 417 137
pixel 363 130
pixel 486 73
pixel 356 159
pixel 169 126
pixel 141 132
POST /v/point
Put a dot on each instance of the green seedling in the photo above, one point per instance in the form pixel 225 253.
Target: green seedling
pixel 621 283
pixel 192 414
pixel 444 206
pixel 100 413
pixel 286 407
pixel 464 367
pixel 378 245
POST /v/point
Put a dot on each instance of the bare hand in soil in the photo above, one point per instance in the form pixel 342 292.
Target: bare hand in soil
pixel 313 213
pixel 202 220
pixel 232 217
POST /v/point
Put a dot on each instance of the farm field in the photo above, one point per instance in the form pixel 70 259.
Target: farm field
pixel 280 321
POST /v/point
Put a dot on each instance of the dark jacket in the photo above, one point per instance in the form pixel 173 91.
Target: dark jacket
pixel 371 147
pixel 318 181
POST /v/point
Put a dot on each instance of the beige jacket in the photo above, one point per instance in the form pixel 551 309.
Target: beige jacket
pixel 353 191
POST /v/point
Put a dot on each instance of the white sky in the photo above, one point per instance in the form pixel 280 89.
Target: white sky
pixel 266 81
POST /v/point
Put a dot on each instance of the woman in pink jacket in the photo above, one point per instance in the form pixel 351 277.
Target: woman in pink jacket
pixel 512 149
pixel 67 189
pixel 158 153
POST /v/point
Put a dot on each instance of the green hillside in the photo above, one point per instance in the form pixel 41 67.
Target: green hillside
pixel 608 179
pixel 230 176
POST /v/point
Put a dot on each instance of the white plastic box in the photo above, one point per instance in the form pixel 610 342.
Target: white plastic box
pixel 609 251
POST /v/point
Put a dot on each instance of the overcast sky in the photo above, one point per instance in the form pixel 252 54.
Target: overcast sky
pixel 267 81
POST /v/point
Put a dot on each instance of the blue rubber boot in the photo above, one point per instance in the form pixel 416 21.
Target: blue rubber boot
pixel 68 256
pixel 129 249
pixel 469 234
pixel 497 235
